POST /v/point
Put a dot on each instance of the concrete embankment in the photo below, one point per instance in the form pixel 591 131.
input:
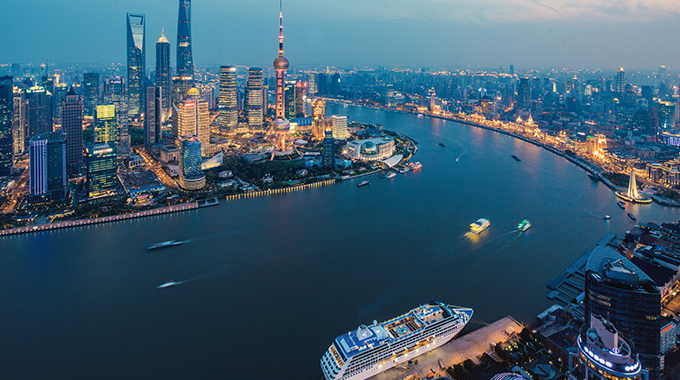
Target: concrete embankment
pixel 105 219
pixel 258 193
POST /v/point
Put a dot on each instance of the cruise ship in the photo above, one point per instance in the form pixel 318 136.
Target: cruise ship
pixel 368 350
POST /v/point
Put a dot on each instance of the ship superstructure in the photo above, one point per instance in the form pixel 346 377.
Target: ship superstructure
pixel 368 350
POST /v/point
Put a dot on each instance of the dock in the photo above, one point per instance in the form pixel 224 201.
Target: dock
pixel 469 346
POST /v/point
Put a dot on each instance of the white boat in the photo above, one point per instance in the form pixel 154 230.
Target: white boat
pixel 168 284
pixel 169 243
pixel 415 165
pixel 369 350
pixel 405 169
pixel 390 175
pixel 480 225
pixel 363 183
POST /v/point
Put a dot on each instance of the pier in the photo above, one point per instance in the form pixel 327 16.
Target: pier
pixel 469 346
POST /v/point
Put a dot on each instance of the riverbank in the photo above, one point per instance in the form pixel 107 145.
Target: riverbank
pixel 105 219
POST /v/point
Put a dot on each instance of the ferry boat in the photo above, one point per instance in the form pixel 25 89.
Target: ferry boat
pixel 403 170
pixel 390 175
pixel 632 216
pixel 369 350
pixel 165 244
pixel 524 225
pixel 607 217
pixel 621 204
pixel 363 183
pixel 415 165
pixel 480 225
pixel 516 158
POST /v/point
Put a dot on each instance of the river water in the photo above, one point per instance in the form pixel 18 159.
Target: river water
pixel 271 281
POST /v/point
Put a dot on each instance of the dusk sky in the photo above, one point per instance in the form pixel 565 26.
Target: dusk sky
pixel 433 33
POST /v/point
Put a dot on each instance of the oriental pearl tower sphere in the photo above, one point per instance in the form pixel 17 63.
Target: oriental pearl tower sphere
pixel 281 125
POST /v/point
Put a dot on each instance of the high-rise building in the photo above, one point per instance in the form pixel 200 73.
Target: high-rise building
pixel 254 104
pixel 20 107
pixel 620 80
pixel 136 62
pixel 16 70
pixel 604 354
pixel 300 97
pixel 58 97
pixel 620 292
pixel 185 61
pixel 312 84
pixel 152 116
pixel 91 93
pixel 117 95
pixel 328 151
pixel 524 96
pixel 72 125
pixel 47 166
pixel 227 120
pixel 163 75
pixel 192 117
pixel 281 124
pixel 106 125
pixel 319 112
pixel 340 127
pixel 289 99
pixel 101 170
pixel 39 111
pixel 6 138
pixel 191 176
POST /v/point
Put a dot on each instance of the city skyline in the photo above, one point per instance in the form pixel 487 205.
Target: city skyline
pixel 432 33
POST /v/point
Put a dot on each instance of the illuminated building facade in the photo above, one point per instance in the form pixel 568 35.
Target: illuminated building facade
pixel 289 99
pixel 620 80
pixel 340 127
pixel 58 96
pixel 39 111
pixel 163 74
pixel 192 117
pixel 185 61
pixel 319 119
pixel 101 170
pixel 328 151
pixel 191 176
pixel 72 124
pixel 19 122
pixel 227 120
pixel 300 98
pixel 254 104
pixel 47 166
pixel 623 294
pixel 136 62
pixel 152 116
pixel 91 93
pixel 604 354
pixel 6 138
pixel 106 126
pixel 375 149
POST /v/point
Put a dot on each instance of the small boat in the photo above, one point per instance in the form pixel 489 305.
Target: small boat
pixel 168 284
pixel 632 216
pixel 524 225
pixel 594 177
pixel 480 225
pixel 165 244
pixel 621 204
pixel 442 145
pixel 403 170
pixel 363 183
pixel 415 165
pixel 607 217
pixel 516 158
pixel 390 175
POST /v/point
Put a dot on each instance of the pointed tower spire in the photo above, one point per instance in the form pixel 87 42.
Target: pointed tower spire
pixel 632 185
pixel 280 28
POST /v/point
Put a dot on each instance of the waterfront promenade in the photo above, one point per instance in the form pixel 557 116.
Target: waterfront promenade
pixel 105 219
pixel 469 346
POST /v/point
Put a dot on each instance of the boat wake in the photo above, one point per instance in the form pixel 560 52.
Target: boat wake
pixel 173 283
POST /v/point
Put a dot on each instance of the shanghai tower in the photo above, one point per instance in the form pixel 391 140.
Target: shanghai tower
pixel 185 61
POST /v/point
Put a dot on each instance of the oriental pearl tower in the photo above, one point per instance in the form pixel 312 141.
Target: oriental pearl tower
pixel 281 125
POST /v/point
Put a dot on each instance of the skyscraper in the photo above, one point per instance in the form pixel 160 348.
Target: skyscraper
pixel 136 62
pixel 39 111
pixel 191 176
pixel 91 93
pixel 623 294
pixel 117 95
pixel 101 170
pixel 192 117
pixel 254 98
pixel 47 166
pixel 152 116
pixel 6 110
pixel 524 96
pixel 72 125
pixel 185 61
pixel 19 122
pixel 289 99
pixel 58 97
pixel 340 127
pixel 281 124
pixel 106 126
pixel 620 80
pixel 319 112
pixel 328 151
pixel 228 100
pixel 300 95
pixel 163 75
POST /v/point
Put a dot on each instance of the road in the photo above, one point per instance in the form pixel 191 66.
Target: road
pixel 156 168
pixel 17 193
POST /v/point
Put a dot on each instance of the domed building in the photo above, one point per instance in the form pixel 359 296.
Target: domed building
pixel 192 118
pixel 375 149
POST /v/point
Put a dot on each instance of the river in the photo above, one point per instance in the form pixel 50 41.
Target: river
pixel 269 282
